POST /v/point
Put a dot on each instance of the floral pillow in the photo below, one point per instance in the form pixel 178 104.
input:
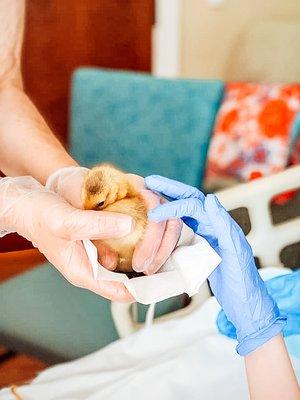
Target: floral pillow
pixel 252 132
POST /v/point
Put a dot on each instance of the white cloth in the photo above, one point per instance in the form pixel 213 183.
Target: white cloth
pixel 183 358
pixel 185 271
pixel 179 359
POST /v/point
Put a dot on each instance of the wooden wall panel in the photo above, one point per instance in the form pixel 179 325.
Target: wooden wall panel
pixel 61 35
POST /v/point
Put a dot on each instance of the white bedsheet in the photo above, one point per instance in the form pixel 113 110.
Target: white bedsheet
pixel 179 359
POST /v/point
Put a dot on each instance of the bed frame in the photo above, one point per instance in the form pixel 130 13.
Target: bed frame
pixel 267 240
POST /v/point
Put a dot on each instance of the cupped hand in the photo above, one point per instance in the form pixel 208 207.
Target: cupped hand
pixel 57 229
pixel 159 239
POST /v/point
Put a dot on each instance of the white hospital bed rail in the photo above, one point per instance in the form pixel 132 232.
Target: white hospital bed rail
pixel 267 240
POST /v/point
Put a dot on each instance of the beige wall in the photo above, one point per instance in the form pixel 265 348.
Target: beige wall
pixel 241 40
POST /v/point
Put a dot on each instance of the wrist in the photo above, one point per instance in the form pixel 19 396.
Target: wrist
pixel 59 160
pixel 67 182
pixel 257 339
pixel 250 314
pixel 53 181
pixel 14 192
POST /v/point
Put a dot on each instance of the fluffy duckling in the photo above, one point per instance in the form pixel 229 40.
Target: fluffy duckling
pixel 107 188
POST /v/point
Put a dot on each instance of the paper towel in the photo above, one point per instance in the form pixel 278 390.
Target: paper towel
pixel 187 268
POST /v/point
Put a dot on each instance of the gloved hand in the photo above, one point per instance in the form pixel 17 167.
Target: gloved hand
pixel 235 282
pixel 56 229
pixel 159 239
pixel 285 291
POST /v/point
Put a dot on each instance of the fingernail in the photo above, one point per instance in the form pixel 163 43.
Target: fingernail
pixel 152 268
pixel 143 267
pixel 138 268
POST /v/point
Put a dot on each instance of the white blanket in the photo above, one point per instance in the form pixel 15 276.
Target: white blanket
pixel 180 359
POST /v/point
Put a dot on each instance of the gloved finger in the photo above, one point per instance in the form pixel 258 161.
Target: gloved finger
pixel 172 188
pixel 223 224
pixel 114 291
pixel 78 224
pixel 106 256
pixel 147 248
pixel 67 182
pixel 168 243
pixel 179 208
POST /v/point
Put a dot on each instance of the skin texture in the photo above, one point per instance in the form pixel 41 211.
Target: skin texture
pixel 270 373
pixel 21 123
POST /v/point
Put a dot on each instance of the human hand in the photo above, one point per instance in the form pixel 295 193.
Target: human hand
pixel 159 239
pixel 236 282
pixel 57 229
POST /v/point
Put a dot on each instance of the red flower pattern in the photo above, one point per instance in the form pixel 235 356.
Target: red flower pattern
pixel 252 131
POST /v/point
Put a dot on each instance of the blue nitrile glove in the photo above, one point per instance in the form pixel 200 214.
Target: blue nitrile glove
pixel 236 282
pixel 285 291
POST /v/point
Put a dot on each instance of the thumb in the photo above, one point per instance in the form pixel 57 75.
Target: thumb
pixel 71 260
pixel 80 225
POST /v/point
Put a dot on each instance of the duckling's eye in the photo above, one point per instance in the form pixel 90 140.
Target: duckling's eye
pixel 100 204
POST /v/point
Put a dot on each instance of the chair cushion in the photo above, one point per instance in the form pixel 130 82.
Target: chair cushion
pixel 143 124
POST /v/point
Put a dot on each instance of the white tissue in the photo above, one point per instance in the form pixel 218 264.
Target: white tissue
pixel 185 271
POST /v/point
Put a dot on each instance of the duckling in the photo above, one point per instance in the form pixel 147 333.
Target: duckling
pixel 108 188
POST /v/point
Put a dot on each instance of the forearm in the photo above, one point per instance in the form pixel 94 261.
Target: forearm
pixel 27 145
pixel 270 373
